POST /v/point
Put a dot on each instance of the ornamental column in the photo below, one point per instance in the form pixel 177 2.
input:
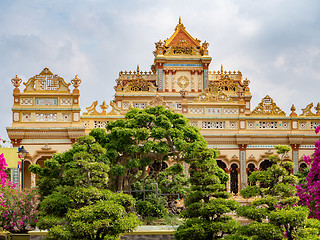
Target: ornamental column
pixel 295 157
pixel 160 77
pixel 243 161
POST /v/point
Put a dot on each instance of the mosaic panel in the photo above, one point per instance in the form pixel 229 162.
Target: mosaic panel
pixel 250 125
pixel 285 125
pixel 26 101
pixel 212 125
pixel 140 105
pixel 213 110
pixel 231 111
pixel 100 124
pixel 46 117
pixel 314 125
pixel 195 124
pixel 196 110
pixel 233 125
pixel 268 125
pixel 26 117
pixel 85 124
pixel 66 117
pixel 66 101
pixel 126 105
pixel 302 125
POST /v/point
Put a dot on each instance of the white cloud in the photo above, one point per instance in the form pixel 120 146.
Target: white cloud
pixel 274 44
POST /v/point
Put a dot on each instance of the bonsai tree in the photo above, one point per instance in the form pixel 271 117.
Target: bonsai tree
pixel 275 213
pixel 145 136
pixel 207 203
pixel 76 203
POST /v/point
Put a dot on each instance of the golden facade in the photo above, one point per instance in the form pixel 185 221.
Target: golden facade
pixel 46 116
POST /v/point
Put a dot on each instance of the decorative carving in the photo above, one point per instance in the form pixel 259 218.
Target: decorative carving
pixel 183 82
pixel 92 109
pixel 307 110
pixel 317 108
pixel 205 45
pixel 16 81
pixel 139 84
pixel 158 100
pixel 46 81
pixel 104 106
pixel 293 111
pixel 268 107
pixel 76 81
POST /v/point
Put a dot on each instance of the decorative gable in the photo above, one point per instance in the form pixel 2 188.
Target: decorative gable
pixel 268 107
pixel 46 81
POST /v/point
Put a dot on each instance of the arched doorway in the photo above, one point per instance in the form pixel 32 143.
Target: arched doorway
pixel 27 175
pixel 234 178
pixel 223 166
pixel 251 168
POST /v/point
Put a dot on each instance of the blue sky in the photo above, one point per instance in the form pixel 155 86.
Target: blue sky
pixel 275 43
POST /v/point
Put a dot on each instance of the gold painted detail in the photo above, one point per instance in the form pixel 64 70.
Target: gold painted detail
pixel 307 110
pixel 137 83
pixel 182 48
pixel 76 81
pixel 46 81
pixel 158 100
pixel 16 81
pixel 225 84
pixel 268 107
pixel 93 111
pixel 183 82
pixel 209 97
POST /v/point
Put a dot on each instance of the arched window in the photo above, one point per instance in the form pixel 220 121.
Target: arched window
pixel 222 165
pixel 302 166
pixel 251 169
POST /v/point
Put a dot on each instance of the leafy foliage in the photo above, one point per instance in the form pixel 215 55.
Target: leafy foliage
pixel 207 203
pixel 76 203
pixel 275 211
pixel 145 136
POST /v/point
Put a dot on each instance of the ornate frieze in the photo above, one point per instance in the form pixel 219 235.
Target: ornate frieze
pixel 65 101
pixel 213 125
pixel 46 117
pixel 196 110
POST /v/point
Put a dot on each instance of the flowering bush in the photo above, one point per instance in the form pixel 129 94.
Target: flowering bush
pixel 17 208
pixel 309 194
pixel 19 212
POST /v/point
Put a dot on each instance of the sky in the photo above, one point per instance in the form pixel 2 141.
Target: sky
pixel 274 43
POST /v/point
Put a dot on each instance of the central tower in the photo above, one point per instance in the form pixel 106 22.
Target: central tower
pixel 181 63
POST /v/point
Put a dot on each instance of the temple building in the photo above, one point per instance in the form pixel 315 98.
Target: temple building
pixel 46 115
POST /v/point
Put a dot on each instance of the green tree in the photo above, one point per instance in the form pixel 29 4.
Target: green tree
pixel 274 211
pixel 76 203
pixel 207 203
pixel 145 136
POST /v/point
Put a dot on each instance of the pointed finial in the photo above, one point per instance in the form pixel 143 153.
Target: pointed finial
pixel 221 69
pixel 180 20
pixel 293 111
pixel 138 69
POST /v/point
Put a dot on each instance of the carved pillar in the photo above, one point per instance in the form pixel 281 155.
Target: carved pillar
pixel 192 80
pixel 199 80
pixel 205 76
pixel 295 157
pixel 173 80
pixel 243 174
pixel 228 171
pixel 166 82
pixel 160 77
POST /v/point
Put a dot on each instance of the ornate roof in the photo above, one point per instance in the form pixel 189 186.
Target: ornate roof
pixel 181 43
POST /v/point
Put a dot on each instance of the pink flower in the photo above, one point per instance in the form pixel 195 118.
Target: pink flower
pixel 317 129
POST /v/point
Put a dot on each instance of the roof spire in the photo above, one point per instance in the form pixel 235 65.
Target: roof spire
pixel 138 69
pixel 221 68
pixel 180 20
